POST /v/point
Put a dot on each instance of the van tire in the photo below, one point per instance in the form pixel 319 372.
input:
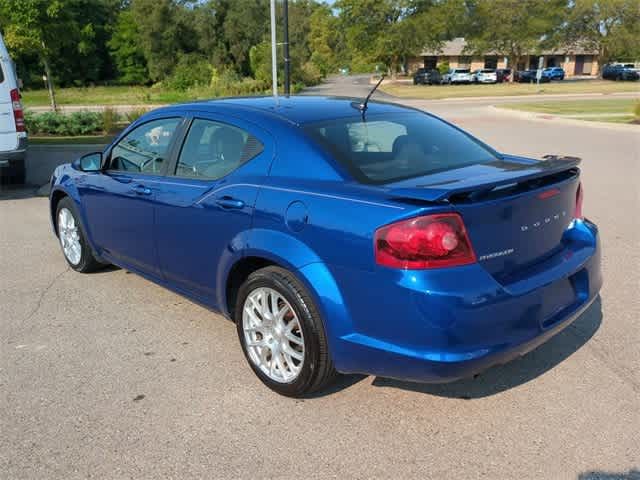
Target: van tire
pixel 14 174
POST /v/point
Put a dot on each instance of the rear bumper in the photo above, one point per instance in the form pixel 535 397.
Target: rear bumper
pixel 17 155
pixel 454 323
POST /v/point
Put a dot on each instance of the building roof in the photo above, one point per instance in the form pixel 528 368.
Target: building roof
pixel 457 46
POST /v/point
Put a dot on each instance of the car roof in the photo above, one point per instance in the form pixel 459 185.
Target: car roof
pixel 298 109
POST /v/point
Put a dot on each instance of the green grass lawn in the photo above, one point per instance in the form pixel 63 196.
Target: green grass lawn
pixel 507 89
pixel 124 95
pixel 117 95
pixel 616 110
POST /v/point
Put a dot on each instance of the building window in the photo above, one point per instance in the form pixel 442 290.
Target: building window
pixel 464 62
pixel 491 62
pixel 430 62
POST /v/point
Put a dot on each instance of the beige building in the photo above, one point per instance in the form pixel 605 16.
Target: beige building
pixel 575 61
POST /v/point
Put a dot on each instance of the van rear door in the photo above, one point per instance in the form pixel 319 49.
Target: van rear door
pixel 8 135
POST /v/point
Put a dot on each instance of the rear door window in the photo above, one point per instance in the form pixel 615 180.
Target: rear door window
pixel 212 150
pixel 389 148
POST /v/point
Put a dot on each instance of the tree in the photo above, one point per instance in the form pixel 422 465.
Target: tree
pixel 513 28
pixel 609 27
pixel 126 51
pixel 26 25
pixel 389 30
pixel 323 39
pixel 163 33
pixel 246 24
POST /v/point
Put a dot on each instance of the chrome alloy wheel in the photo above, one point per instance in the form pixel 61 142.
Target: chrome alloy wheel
pixel 69 236
pixel 273 335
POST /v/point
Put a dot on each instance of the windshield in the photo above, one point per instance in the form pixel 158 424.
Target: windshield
pixel 392 147
pixel 464 70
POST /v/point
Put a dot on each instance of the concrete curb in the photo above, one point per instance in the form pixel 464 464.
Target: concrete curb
pixel 545 117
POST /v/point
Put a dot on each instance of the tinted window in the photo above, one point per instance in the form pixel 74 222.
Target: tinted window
pixel 213 150
pixel 1 73
pixel 393 147
pixel 145 149
pixel 462 70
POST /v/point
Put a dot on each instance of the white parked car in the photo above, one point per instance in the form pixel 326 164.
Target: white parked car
pixel 485 75
pixel 13 133
pixel 457 75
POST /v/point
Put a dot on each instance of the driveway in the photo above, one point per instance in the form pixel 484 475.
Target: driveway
pixel 109 376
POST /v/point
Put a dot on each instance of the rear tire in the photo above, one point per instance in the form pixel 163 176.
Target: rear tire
pixel 282 334
pixel 73 240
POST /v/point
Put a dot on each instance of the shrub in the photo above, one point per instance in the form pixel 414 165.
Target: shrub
pixel 443 67
pixel 54 123
pixel 109 120
pixel 192 70
pixel 309 74
pixel 135 114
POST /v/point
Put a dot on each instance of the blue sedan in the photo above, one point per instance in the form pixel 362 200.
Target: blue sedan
pixel 554 73
pixel 339 237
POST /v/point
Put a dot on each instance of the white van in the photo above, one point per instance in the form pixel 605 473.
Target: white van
pixel 13 133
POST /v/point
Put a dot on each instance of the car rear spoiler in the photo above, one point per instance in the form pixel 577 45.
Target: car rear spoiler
pixel 518 173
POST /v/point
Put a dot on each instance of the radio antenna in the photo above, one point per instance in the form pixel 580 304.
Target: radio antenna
pixel 363 106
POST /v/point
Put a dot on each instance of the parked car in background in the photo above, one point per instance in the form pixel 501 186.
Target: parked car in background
pixel 372 239
pixel 484 75
pixel 457 76
pixel 13 132
pixel 554 73
pixel 619 72
pixel 424 76
pixel 530 76
pixel 503 74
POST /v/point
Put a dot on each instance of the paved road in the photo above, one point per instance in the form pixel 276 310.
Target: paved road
pixel 110 376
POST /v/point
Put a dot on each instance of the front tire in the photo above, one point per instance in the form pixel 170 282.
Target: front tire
pixel 281 333
pixel 73 240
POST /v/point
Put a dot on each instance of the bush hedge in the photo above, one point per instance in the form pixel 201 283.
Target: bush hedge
pixel 53 123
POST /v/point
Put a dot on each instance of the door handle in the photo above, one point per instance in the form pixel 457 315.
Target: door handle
pixel 229 202
pixel 142 190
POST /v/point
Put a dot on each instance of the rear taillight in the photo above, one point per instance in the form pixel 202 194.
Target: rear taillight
pixel 579 197
pixel 18 113
pixel 432 241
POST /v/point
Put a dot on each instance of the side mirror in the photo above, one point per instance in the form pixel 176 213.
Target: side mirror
pixel 91 162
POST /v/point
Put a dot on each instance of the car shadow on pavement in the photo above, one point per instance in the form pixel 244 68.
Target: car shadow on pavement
pixel 633 474
pixel 522 370
pixel 17 192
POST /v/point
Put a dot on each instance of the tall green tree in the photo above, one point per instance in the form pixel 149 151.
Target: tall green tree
pixel 164 34
pixel 324 39
pixel 513 28
pixel 126 50
pixel 246 24
pixel 62 34
pixel 609 27
pixel 389 31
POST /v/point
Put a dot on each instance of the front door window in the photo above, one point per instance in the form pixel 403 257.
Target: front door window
pixel 144 149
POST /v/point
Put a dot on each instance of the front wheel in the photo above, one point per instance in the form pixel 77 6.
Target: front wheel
pixel 73 240
pixel 281 333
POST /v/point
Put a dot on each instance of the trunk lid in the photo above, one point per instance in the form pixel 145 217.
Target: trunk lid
pixel 515 210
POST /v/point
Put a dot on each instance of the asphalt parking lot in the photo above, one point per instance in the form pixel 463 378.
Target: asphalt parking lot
pixel 109 376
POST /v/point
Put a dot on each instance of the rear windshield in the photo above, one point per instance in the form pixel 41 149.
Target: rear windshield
pixel 392 147
pixel 462 70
